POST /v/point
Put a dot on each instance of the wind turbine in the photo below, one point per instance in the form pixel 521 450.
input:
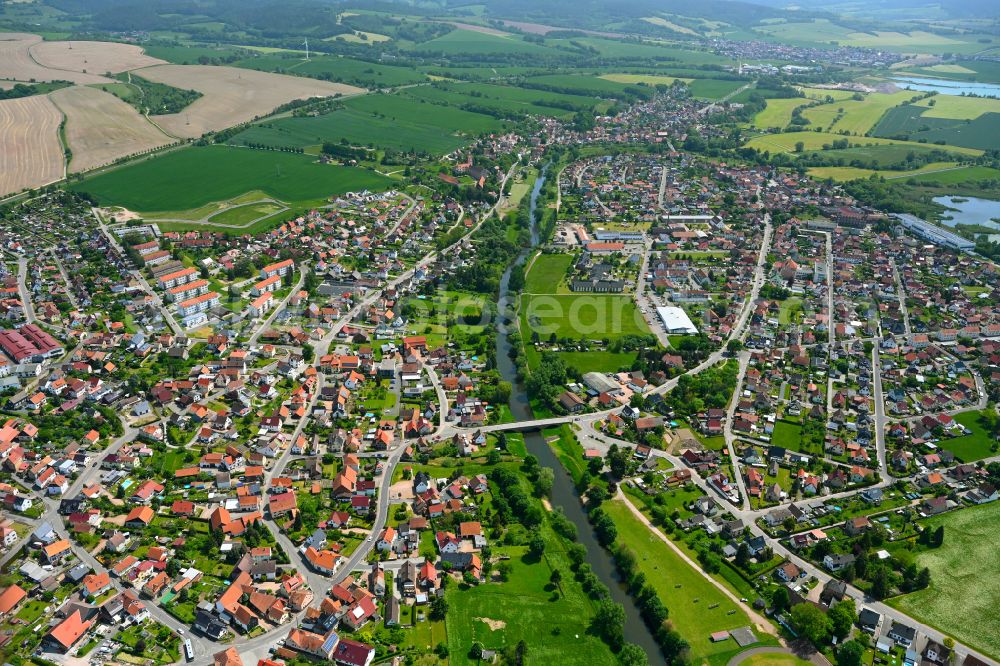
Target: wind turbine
pixel 307 48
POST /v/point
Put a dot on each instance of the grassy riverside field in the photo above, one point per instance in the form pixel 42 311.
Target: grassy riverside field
pixel 960 586
pixel 591 316
pixel 697 608
pixel 547 273
pixel 526 608
pixel 395 122
pixel 192 177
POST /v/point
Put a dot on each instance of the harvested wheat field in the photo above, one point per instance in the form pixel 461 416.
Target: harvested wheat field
pixel 30 152
pixel 91 57
pixel 231 95
pixel 100 128
pixel 16 62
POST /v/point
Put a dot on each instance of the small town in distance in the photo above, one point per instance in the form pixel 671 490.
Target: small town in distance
pixel 619 334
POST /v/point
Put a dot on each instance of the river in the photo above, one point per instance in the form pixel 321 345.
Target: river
pixel 947 86
pixel 564 492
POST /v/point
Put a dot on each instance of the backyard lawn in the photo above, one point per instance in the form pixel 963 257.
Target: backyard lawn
pixel 960 588
pixel 970 448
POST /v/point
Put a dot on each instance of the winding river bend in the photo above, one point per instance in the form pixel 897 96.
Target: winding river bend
pixel 563 490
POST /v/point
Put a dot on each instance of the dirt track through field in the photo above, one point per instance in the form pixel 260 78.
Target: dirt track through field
pixel 100 128
pixel 91 57
pixel 232 95
pixel 30 152
pixel 16 62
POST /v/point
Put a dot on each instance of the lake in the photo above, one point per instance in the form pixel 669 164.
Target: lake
pixel 947 86
pixel 970 210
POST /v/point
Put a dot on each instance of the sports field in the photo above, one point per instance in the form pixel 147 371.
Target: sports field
pixel 697 608
pixel 547 273
pixel 963 580
pixel 841 174
pixel 192 177
pixel 590 316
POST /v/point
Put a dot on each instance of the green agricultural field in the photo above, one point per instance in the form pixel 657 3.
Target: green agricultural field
pixel 826 32
pixel 382 121
pixel 590 316
pixel 785 142
pixel 547 273
pixel 963 175
pixel 958 108
pixel 648 79
pixel 580 84
pixel 192 55
pixel 697 608
pixel 983 71
pixel 192 177
pixel 504 99
pixel 334 68
pixel 910 122
pixel 854 116
pixel 778 112
pixel 712 89
pixel 960 586
pixel 498 615
pixel 470 42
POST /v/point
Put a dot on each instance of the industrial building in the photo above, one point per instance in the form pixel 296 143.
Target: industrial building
pixel 676 321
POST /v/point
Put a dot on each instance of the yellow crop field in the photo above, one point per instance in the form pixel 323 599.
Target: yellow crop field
pixel 30 152
pixel 91 57
pixel 16 62
pixel 100 128
pixel 232 95
pixel 958 108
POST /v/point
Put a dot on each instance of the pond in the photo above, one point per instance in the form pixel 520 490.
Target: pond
pixel 947 86
pixel 970 210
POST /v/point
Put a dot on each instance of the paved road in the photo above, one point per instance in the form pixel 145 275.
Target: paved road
pixel 22 288
pixel 266 323
pixel 157 300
